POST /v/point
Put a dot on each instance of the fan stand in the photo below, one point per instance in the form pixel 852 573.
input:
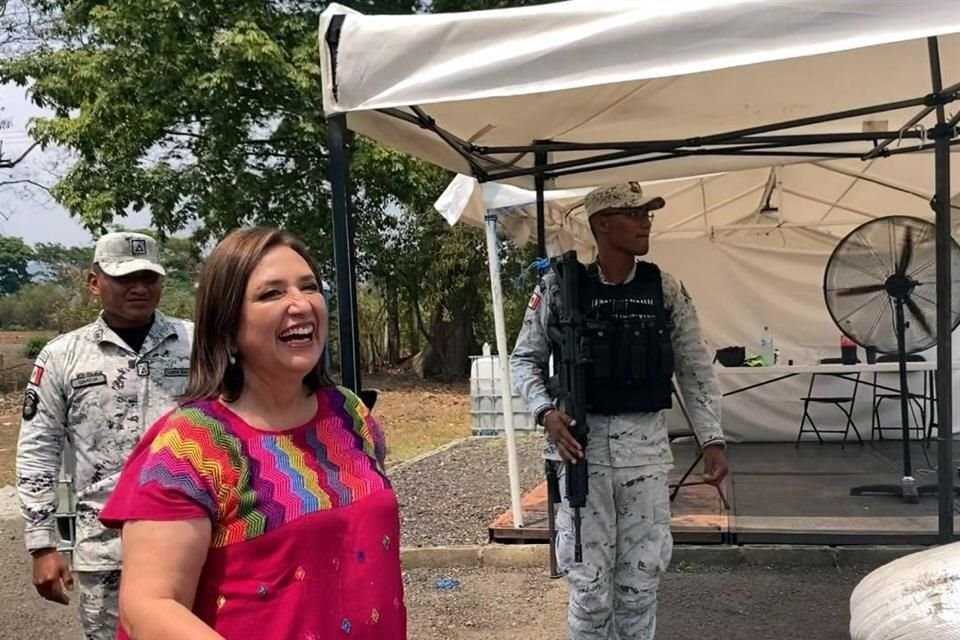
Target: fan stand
pixel 908 488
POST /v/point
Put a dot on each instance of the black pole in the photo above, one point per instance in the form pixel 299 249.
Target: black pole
pixel 343 254
pixel 540 159
pixel 941 205
pixel 550 470
pixel 904 394
pixel 785 140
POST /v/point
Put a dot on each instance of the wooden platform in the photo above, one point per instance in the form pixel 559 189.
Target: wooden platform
pixel 779 494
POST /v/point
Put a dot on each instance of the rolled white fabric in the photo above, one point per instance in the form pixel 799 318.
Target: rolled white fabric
pixel 916 597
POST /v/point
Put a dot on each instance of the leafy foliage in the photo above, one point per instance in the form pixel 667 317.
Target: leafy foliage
pixel 15 257
pixel 34 346
pixel 208 114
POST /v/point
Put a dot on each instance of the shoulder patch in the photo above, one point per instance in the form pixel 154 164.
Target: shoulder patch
pixel 31 400
pixel 534 301
pixel 88 379
pixel 36 375
pixel 43 356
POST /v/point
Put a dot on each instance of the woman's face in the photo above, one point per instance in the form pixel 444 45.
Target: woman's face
pixel 283 322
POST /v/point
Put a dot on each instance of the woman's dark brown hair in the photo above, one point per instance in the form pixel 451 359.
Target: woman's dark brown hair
pixel 220 292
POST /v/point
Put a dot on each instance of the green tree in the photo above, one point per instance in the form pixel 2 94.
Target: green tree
pixel 209 114
pixel 15 256
pixel 205 111
pixel 59 263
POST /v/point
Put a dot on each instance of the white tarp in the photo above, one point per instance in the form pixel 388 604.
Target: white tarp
pixel 739 289
pixel 592 72
pixel 741 278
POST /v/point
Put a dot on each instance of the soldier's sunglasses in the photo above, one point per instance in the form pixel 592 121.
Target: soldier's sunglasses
pixel 637 214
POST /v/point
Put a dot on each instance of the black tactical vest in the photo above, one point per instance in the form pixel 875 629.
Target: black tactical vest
pixel 631 355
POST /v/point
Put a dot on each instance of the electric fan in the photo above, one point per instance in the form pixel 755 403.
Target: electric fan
pixel 880 290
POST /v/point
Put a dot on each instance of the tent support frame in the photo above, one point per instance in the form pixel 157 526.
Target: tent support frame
pixel 943 135
pixel 944 378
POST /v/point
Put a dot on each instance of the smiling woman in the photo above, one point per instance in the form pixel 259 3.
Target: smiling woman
pixel 260 507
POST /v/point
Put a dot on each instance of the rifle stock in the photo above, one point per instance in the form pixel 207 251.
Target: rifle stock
pixel 571 355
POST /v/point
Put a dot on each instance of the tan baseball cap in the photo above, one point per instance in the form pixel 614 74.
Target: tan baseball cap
pixel 122 253
pixel 628 195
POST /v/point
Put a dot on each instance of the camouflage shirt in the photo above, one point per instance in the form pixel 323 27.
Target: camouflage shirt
pixel 631 439
pixel 91 392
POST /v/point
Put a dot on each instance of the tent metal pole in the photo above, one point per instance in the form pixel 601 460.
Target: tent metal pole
pixel 941 203
pixel 883 182
pixel 824 201
pixel 633 156
pixel 912 122
pixel 784 140
pixel 343 254
pixel 708 210
pixel 735 226
pixel 550 471
pixel 920 147
pixel 756 150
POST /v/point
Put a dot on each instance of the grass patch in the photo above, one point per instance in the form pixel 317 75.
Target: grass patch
pixel 9 429
pixel 406 441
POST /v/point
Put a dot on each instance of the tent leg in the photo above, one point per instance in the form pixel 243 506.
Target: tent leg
pixel 553 497
pixel 941 205
pixel 506 384
pixel 553 486
pixel 344 254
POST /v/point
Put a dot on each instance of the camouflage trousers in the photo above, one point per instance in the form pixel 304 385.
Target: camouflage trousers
pixel 626 547
pixel 99 591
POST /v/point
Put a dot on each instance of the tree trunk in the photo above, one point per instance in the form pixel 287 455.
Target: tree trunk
pixel 393 325
pixel 413 333
pixel 452 341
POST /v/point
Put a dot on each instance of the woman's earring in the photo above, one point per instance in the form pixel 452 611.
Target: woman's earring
pixel 232 359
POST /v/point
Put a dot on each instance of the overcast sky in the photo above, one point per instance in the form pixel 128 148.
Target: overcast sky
pixel 33 215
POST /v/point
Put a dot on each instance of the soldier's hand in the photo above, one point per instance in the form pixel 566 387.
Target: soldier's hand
pixel 714 465
pixel 51 575
pixel 557 425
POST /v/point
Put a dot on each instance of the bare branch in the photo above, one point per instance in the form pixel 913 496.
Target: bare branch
pixel 4 183
pixel 9 164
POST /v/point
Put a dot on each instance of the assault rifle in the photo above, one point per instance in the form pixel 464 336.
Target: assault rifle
pixel 571 354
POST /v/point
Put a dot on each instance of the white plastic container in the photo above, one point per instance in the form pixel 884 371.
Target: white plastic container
pixel 486 404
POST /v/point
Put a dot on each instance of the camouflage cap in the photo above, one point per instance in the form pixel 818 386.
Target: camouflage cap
pixel 628 195
pixel 119 254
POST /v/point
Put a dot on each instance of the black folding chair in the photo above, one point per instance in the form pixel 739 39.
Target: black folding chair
pixel 844 403
pixel 917 400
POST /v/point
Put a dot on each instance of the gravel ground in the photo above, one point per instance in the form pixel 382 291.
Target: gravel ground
pixel 749 603
pixel 450 497
pixel 706 604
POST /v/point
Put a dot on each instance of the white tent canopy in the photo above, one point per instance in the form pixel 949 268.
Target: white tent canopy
pixel 807 206
pixel 583 93
pixel 469 91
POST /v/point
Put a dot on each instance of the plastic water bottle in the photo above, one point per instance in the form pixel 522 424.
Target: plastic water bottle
pixel 766 347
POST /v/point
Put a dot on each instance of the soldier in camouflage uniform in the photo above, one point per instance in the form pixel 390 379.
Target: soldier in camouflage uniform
pixel 627 543
pixel 96 390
